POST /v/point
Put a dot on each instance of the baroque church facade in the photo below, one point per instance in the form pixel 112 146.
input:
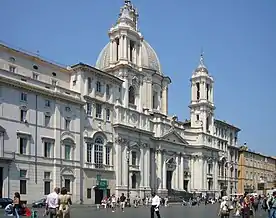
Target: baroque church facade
pixel 83 127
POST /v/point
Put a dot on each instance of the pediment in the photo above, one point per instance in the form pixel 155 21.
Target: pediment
pixel 174 137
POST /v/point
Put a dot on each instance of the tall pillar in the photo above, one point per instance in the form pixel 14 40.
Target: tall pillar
pixel 164 174
pixel 159 169
pixel 192 173
pixel 125 170
pixel 147 167
pixel 177 172
pixel 142 168
pixel 126 87
pixel 164 100
pixel 181 173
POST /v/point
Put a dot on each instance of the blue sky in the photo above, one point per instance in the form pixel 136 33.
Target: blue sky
pixel 238 39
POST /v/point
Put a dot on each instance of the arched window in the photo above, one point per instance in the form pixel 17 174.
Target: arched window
pixel 133 181
pixel 131 95
pixel 98 152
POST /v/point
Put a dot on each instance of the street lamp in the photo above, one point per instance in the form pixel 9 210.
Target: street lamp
pixel 128 199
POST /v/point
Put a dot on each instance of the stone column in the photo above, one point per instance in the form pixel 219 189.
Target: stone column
pixel 142 168
pixel 164 100
pixel 164 174
pixel 177 172
pixel 125 88
pixel 124 161
pixel 192 173
pixel 202 90
pixel 159 165
pixel 147 167
pixel 181 173
pixel 117 164
pixel 121 43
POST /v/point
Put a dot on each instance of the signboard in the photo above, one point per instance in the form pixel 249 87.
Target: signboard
pixel 103 184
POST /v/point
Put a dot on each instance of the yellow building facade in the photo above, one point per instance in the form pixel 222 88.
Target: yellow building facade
pixel 256 172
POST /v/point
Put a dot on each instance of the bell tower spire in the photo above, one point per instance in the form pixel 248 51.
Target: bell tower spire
pixel 202 98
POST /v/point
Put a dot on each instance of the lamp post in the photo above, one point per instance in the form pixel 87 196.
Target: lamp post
pixel 128 199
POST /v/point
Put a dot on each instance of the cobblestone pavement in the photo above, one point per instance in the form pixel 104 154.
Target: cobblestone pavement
pixel 174 211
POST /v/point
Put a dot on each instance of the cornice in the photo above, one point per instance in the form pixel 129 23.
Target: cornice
pixel 41 90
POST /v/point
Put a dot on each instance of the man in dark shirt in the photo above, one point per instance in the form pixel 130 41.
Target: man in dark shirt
pixel 122 201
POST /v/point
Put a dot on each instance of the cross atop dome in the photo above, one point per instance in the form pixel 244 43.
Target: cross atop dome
pixel 201 67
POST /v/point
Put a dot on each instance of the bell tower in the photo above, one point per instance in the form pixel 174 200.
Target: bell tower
pixel 202 98
pixel 125 38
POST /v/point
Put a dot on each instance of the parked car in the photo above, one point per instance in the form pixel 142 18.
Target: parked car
pixel 40 203
pixel 5 201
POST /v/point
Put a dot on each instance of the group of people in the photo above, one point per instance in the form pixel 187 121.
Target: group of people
pixel 58 204
pixel 247 206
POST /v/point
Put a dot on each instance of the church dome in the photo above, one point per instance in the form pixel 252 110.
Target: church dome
pixel 149 58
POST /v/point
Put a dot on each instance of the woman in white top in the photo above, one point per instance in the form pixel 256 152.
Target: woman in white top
pixel 155 203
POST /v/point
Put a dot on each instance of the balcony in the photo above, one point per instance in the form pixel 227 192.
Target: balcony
pixel 98 166
pixel 209 175
pixel 134 168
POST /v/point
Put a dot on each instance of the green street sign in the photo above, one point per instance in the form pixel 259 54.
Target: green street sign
pixel 103 184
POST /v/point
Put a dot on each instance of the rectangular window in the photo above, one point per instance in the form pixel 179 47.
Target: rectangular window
pixel 47 119
pixel 98 110
pixel 47 187
pixel 67 149
pixel 24 97
pixel 88 109
pixel 108 114
pixel 107 156
pixel 12 68
pixel 47 175
pixel 22 145
pixel 133 158
pixel 197 117
pixel 89 153
pixel 47 103
pixel 89 83
pixel 107 90
pixel 89 195
pixel 23 115
pixel 23 187
pixel 98 87
pixel 98 156
pixel 67 124
pixel 47 149
pixel 67 184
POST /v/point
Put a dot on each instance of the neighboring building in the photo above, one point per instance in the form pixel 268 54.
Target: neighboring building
pixel 77 125
pixel 256 171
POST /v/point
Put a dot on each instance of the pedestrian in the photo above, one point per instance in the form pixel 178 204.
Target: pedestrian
pixel 123 202
pixel 52 203
pixel 246 206
pixel 224 210
pixel 113 202
pixel 271 203
pixel 64 202
pixel 155 204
